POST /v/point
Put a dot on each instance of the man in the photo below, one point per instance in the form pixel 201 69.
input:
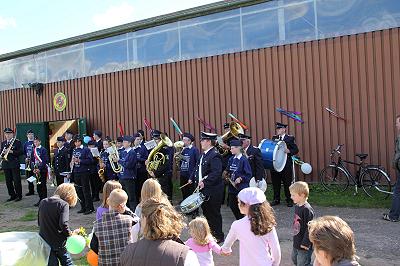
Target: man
pixel 40 161
pixel 190 154
pixel 287 173
pixel 69 143
pixel 11 165
pixel 98 141
pixel 225 160
pixel 254 156
pixel 394 213
pixel 142 155
pixel 127 177
pixel 61 160
pixel 82 158
pixel 207 175
pixel 164 171
pixel 28 149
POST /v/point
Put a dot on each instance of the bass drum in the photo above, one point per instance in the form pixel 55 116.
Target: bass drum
pixel 273 154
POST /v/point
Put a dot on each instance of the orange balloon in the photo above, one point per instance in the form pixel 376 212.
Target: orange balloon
pixel 92 258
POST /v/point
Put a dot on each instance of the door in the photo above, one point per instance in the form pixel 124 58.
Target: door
pixel 81 126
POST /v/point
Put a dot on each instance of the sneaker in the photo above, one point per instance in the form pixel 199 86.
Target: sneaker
pixel 18 199
pixel 11 199
pixel 88 212
pixel 30 194
pixel 274 203
pixel 387 218
pixel 37 204
pixel 289 204
pixel 81 211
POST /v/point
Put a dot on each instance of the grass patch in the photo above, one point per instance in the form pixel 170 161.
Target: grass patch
pixel 81 261
pixel 2 177
pixel 321 197
pixel 24 228
pixel 30 215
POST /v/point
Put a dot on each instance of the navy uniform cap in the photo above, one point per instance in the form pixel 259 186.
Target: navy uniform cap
pixel 280 125
pixel 235 143
pixel 8 130
pixel 30 131
pixel 155 133
pixel 206 135
pixel 226 125
pixel 128 138
pixel 120 139
pixel 244 136
pixel 60 138
pixel 189 136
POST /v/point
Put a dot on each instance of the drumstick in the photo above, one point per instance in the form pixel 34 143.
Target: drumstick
pixel 184 185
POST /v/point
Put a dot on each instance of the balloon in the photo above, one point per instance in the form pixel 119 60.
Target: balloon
pixel 92 258
pixel 86 139
pixel 75 244
pixel 306 168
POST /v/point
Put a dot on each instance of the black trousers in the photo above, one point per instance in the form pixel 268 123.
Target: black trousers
pixel 165 181
pixel 212 211
pixel 233 204
pixel 95 185
pixel 31 187
pixel 41 186
pixel 140 179
pixel 13 182
pixel 188 189
pixel 82 182
pixel 129 185
pixel 284 177
pixel 59 179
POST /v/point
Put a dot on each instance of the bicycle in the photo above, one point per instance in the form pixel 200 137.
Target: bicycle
pixel 372 178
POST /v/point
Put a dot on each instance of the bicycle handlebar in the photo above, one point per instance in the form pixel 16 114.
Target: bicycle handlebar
pixel 337 150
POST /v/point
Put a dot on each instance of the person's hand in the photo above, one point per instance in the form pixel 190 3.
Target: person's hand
pixel 146 162
pixel 190 181
pixel 76 231
pixel 102 165
pixel 304 247
pixel 225 253
pixel 11 151
pixel 151 173
pixel 238 180
pixel 287 150
pixel 201 185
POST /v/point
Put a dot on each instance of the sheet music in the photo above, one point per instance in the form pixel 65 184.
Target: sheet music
pixel 95 152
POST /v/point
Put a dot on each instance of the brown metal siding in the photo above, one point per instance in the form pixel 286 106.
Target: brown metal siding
pixel 358 76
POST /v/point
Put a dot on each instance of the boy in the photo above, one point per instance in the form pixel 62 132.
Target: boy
pixel 113 230
pixel 333 242
pixel 303 213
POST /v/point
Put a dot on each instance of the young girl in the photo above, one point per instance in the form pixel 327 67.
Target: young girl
pixel 202 242
pixel 108 187
pixel 259 244
pixel 150 189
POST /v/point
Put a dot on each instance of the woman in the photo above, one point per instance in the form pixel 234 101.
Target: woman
pixel 53 217
pixel 161 226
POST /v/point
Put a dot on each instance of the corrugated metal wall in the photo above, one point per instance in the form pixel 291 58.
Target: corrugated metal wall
pixel 358 76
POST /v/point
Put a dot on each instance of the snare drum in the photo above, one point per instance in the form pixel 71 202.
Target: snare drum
pixel 273 154
pixel 192 202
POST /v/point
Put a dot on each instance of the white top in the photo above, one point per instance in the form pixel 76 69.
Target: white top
pixel 254 250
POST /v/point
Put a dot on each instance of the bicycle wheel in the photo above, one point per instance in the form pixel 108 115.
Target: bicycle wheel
pixel 334 179
pixel 376 183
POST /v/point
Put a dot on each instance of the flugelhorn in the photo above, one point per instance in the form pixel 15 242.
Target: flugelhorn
pixel 113 157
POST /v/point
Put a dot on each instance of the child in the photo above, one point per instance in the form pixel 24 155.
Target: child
pixel 202 242
pixel 150 189
pixel 333 242
pixel 108 187
pixel 259 244
pixel 303 213
pixel 113 230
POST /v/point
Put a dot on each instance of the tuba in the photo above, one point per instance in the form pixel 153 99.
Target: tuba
pixel 113 156
pixel 156 157
pixel 178 152
pixel 234 130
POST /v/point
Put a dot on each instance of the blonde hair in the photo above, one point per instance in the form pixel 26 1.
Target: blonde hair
pixel 334 236
pixel 117 197
pixel 200 231
pixel 300 187
pixel 67 192
pixel 151 189
pixel 108 187
pixel 162 220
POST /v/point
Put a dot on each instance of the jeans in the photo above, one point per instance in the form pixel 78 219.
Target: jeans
pixel 59 255
pixel 395 209
pixel 301 257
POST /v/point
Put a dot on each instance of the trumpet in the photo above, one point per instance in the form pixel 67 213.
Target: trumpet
pixel 179 145
pixel 28 164
pixel 37 174
pixel 156 158
pixel 113 157
pixel 6 151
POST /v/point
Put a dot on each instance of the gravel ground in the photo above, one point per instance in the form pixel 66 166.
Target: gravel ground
pixel 377 241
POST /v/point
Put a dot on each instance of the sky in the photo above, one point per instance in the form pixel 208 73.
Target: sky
pixel 27 23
